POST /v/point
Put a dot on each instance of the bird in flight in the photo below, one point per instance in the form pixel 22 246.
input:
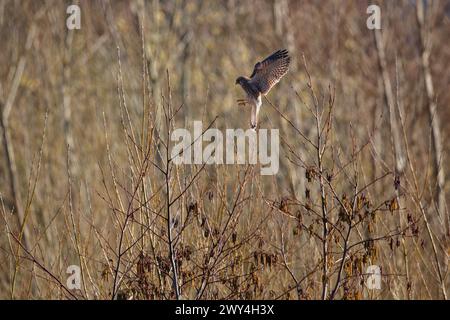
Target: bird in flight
pixel 265 75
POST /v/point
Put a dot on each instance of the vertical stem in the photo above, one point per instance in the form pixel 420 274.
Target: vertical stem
pixel 399 158
pixel 325 230
pixel 324 208
pixel 434 117
pixel 169 232
pixel 13 177
pixel 168 115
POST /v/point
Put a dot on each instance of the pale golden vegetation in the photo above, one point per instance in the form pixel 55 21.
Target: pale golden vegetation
pixel 87 178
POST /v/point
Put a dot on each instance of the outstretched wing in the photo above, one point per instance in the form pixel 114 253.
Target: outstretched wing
pixel 268 72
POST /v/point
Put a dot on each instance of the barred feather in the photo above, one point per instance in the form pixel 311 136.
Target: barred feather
pixel 269 72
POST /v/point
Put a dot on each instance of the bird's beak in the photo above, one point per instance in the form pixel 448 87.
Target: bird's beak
pixel 236 82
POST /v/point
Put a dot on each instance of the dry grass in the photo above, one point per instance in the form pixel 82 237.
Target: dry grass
pixel 92 183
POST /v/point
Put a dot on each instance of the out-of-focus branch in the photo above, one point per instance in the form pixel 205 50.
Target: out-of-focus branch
pixel 400 161
pixel 438 154
pixel 67 105
pixel 12 172
pixel 5 110
pixel 284 30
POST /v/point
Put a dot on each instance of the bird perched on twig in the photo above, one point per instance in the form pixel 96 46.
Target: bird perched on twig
pixel 265 75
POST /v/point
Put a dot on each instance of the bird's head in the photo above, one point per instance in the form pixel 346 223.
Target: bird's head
pixel 239 80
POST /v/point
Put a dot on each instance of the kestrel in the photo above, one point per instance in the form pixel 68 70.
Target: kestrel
pixel 265 75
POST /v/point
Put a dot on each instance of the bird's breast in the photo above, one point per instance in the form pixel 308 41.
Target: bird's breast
pixel 251 90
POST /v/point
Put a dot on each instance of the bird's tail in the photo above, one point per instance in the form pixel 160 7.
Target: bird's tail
pixel 254 116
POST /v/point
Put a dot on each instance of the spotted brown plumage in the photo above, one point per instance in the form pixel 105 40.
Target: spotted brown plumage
pixel 265 75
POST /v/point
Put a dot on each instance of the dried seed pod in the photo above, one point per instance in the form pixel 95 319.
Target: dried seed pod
pixel 192 207
pixel 310 173
pixel 202 224
pixel 256 257
pixel 261 243
pixel 297 229
pixel 345 210
pixel 329 177
pixel 393 205
pixel 370 227
pixel 397 181
pixel 234 237
pixel 140 265
pixel 307 206
pixel 283 206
